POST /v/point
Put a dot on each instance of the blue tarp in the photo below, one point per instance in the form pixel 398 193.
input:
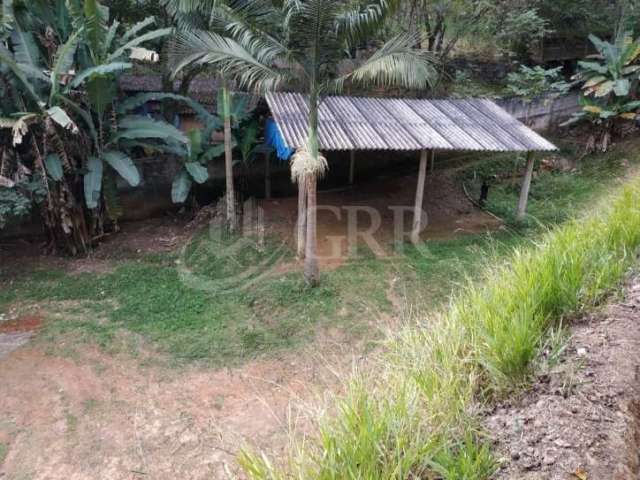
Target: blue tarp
pixel 273 137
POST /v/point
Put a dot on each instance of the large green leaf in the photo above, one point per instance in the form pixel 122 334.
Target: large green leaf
pixel 212 152
pixel 93 182
pixel 25 48
pixel 131 103
pixel 153 35
pixel 622 87
pixel 181 187
pixel 122 164
pixel 96 17
pixel 7 59
pixel 54 166
pixel 239 109
pixel 141 127
pixel 593 66
pixel 99 70
pixel 137 28
pixel 199 173
pixel 195 139
pixel 63 63
pixel 111 35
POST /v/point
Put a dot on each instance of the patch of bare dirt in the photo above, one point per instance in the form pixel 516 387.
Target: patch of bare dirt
pixel 155 235
pixel 26 323
pixel 449 212
pixel 581 421
pixel 97 416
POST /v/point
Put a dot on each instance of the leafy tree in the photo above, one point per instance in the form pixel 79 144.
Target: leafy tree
pixel 609 86
pixel 532 82
pixel 292 44
pixel 61 79
pixel 202 16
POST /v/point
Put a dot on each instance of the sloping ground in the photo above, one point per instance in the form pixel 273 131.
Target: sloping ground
pixel 98 416
pixel 582 420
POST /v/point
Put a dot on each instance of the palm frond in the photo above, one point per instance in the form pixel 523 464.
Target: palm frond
pixel 252 67
pixel 313 31
pixel 359 22
pixel 396 64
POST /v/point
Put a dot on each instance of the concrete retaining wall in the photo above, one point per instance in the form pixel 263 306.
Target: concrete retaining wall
pixel 542 114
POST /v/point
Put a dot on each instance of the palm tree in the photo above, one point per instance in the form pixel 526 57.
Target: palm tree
pixel 198 15
pixel 271 46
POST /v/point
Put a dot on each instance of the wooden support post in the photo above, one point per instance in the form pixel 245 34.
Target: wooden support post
pixel 352 166
pixel 417 210
pixel 433 160
pixel 302 217
pixel 267 175
pixel 526 186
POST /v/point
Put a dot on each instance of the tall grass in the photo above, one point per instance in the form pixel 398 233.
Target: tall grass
pixel 414 413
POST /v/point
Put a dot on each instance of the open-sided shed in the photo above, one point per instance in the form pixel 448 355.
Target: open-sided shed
pixel 406 124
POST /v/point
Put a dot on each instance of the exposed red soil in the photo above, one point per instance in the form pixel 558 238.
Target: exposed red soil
pixel 95 416
pixel 449 212
pixel 27 323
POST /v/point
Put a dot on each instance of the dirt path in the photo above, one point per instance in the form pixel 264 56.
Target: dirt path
pixel 96 416
pixel 582 420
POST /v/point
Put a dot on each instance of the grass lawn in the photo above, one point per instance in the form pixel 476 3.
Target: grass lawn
pixel 149 296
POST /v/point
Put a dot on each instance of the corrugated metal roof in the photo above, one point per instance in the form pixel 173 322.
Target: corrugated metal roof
pixel 361 123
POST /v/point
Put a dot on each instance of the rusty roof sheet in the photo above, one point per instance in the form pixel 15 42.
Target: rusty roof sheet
pixel 361 123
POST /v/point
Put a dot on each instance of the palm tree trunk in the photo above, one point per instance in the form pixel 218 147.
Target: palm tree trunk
pixel 302 217
pixel 311 269
pixel 228 159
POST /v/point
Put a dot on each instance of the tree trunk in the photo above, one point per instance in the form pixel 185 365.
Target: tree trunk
pixel 417 209
pixel 526 185
pixel 302 217
pixel 228 160
pixel 311 269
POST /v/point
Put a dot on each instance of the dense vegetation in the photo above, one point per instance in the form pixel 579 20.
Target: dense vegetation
pixel 68 138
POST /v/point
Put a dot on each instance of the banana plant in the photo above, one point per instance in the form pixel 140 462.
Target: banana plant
pixel 194 168
pixel 609 82
pixel 63 104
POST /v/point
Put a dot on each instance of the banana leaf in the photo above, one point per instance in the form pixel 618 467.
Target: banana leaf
pixel 125 167
pixel 181 187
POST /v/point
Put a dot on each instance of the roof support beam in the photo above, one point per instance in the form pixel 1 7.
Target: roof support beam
pixel 526 186
pixel 417 209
